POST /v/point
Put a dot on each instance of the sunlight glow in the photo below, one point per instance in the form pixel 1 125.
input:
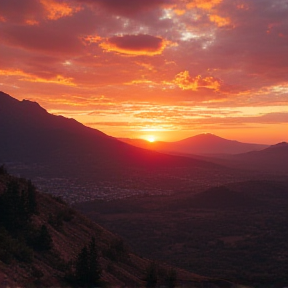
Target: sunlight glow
pixel 150 138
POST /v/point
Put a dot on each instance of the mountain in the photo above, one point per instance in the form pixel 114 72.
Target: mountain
pixel 271 159
pixel 44 249
pixel 200 144
pixel 31 134
pixel 33 141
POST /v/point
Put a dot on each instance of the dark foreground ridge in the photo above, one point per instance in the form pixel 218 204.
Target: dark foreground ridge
pixel 45 243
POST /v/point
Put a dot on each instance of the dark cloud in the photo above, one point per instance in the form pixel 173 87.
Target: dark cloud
pixel 135 44
pixel 40 38
pixel 128 7
pixel 21 11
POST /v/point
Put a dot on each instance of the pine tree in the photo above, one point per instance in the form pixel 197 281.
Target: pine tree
pixel 11 210
pixel 151 275
pixel 44 240
pixel 171 278
pixel 94 267
pixel 87 267
pixel 31 199
pixel 81 267
pixel 3 170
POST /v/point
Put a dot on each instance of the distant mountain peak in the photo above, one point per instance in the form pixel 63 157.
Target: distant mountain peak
pixel 32 105
pixel 280 144
pixel 6 98
pixel 8 103
pixel 207 135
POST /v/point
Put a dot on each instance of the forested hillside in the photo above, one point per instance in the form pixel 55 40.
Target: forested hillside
pixel 45 243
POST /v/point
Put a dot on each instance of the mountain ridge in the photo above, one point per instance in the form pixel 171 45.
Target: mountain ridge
pixel 205 143
pixel 35 140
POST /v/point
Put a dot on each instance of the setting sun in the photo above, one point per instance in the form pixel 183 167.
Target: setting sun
pixel 150 138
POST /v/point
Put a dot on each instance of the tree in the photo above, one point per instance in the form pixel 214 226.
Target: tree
pixel 151 275
pixel 81 266
pixel 44 240
pixel 31 199
pixel 17 205
pixel 171 278
pixel 94 267
pixel 11 211
pixel 87 267
pixel 3 170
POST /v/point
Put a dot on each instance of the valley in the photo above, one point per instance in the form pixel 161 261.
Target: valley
pixel 236 233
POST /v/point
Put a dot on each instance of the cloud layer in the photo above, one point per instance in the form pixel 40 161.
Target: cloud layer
pixel 204 53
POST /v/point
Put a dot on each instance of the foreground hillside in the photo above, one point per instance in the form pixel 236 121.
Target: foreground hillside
pixel 42 244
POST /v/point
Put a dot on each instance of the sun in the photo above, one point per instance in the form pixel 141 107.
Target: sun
pixel 150 138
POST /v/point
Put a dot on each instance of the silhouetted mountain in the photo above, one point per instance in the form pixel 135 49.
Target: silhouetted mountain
pixel 272 159
pixel 38 140
pixel 223 198
pixel 200 144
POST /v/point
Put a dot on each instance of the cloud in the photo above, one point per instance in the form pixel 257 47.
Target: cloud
pixel 20 11
pixel 203 4
pixel 243 43
pixel 23 76
pixel 41 38
pixel 129 8
pixel 56 10
pixel 186 82
pixel 140 44
pixel 220 21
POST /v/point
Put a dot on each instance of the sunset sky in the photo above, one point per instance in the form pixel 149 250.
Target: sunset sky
pixel 141 68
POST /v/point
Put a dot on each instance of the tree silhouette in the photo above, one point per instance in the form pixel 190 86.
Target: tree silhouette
pixel 87 267
pixel 44 240
pixel 81 266
pixel 11 207
pixel 3 170
pixel 31 199
pixel 171 278
pixel 17 205
pixel 151 275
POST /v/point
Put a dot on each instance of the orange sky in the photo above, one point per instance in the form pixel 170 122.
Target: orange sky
pixel 164 68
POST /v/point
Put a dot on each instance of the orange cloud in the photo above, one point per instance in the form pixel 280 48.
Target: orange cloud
pixel 59 79
pixel 242 6
pixel 58 10
pixel 203 4
pixel 31 22
pixel 179 12
pixel 142 81
pixel 140 44
pixel 220 21
pixel 89 39
pixel 186 82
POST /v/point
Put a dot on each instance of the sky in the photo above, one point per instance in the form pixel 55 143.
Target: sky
pixel 167 69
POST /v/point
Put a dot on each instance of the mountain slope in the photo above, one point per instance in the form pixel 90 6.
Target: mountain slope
pixel 34 140
pixel 200 144
pixel 272 159
pixel 25 264
pixel 38 135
